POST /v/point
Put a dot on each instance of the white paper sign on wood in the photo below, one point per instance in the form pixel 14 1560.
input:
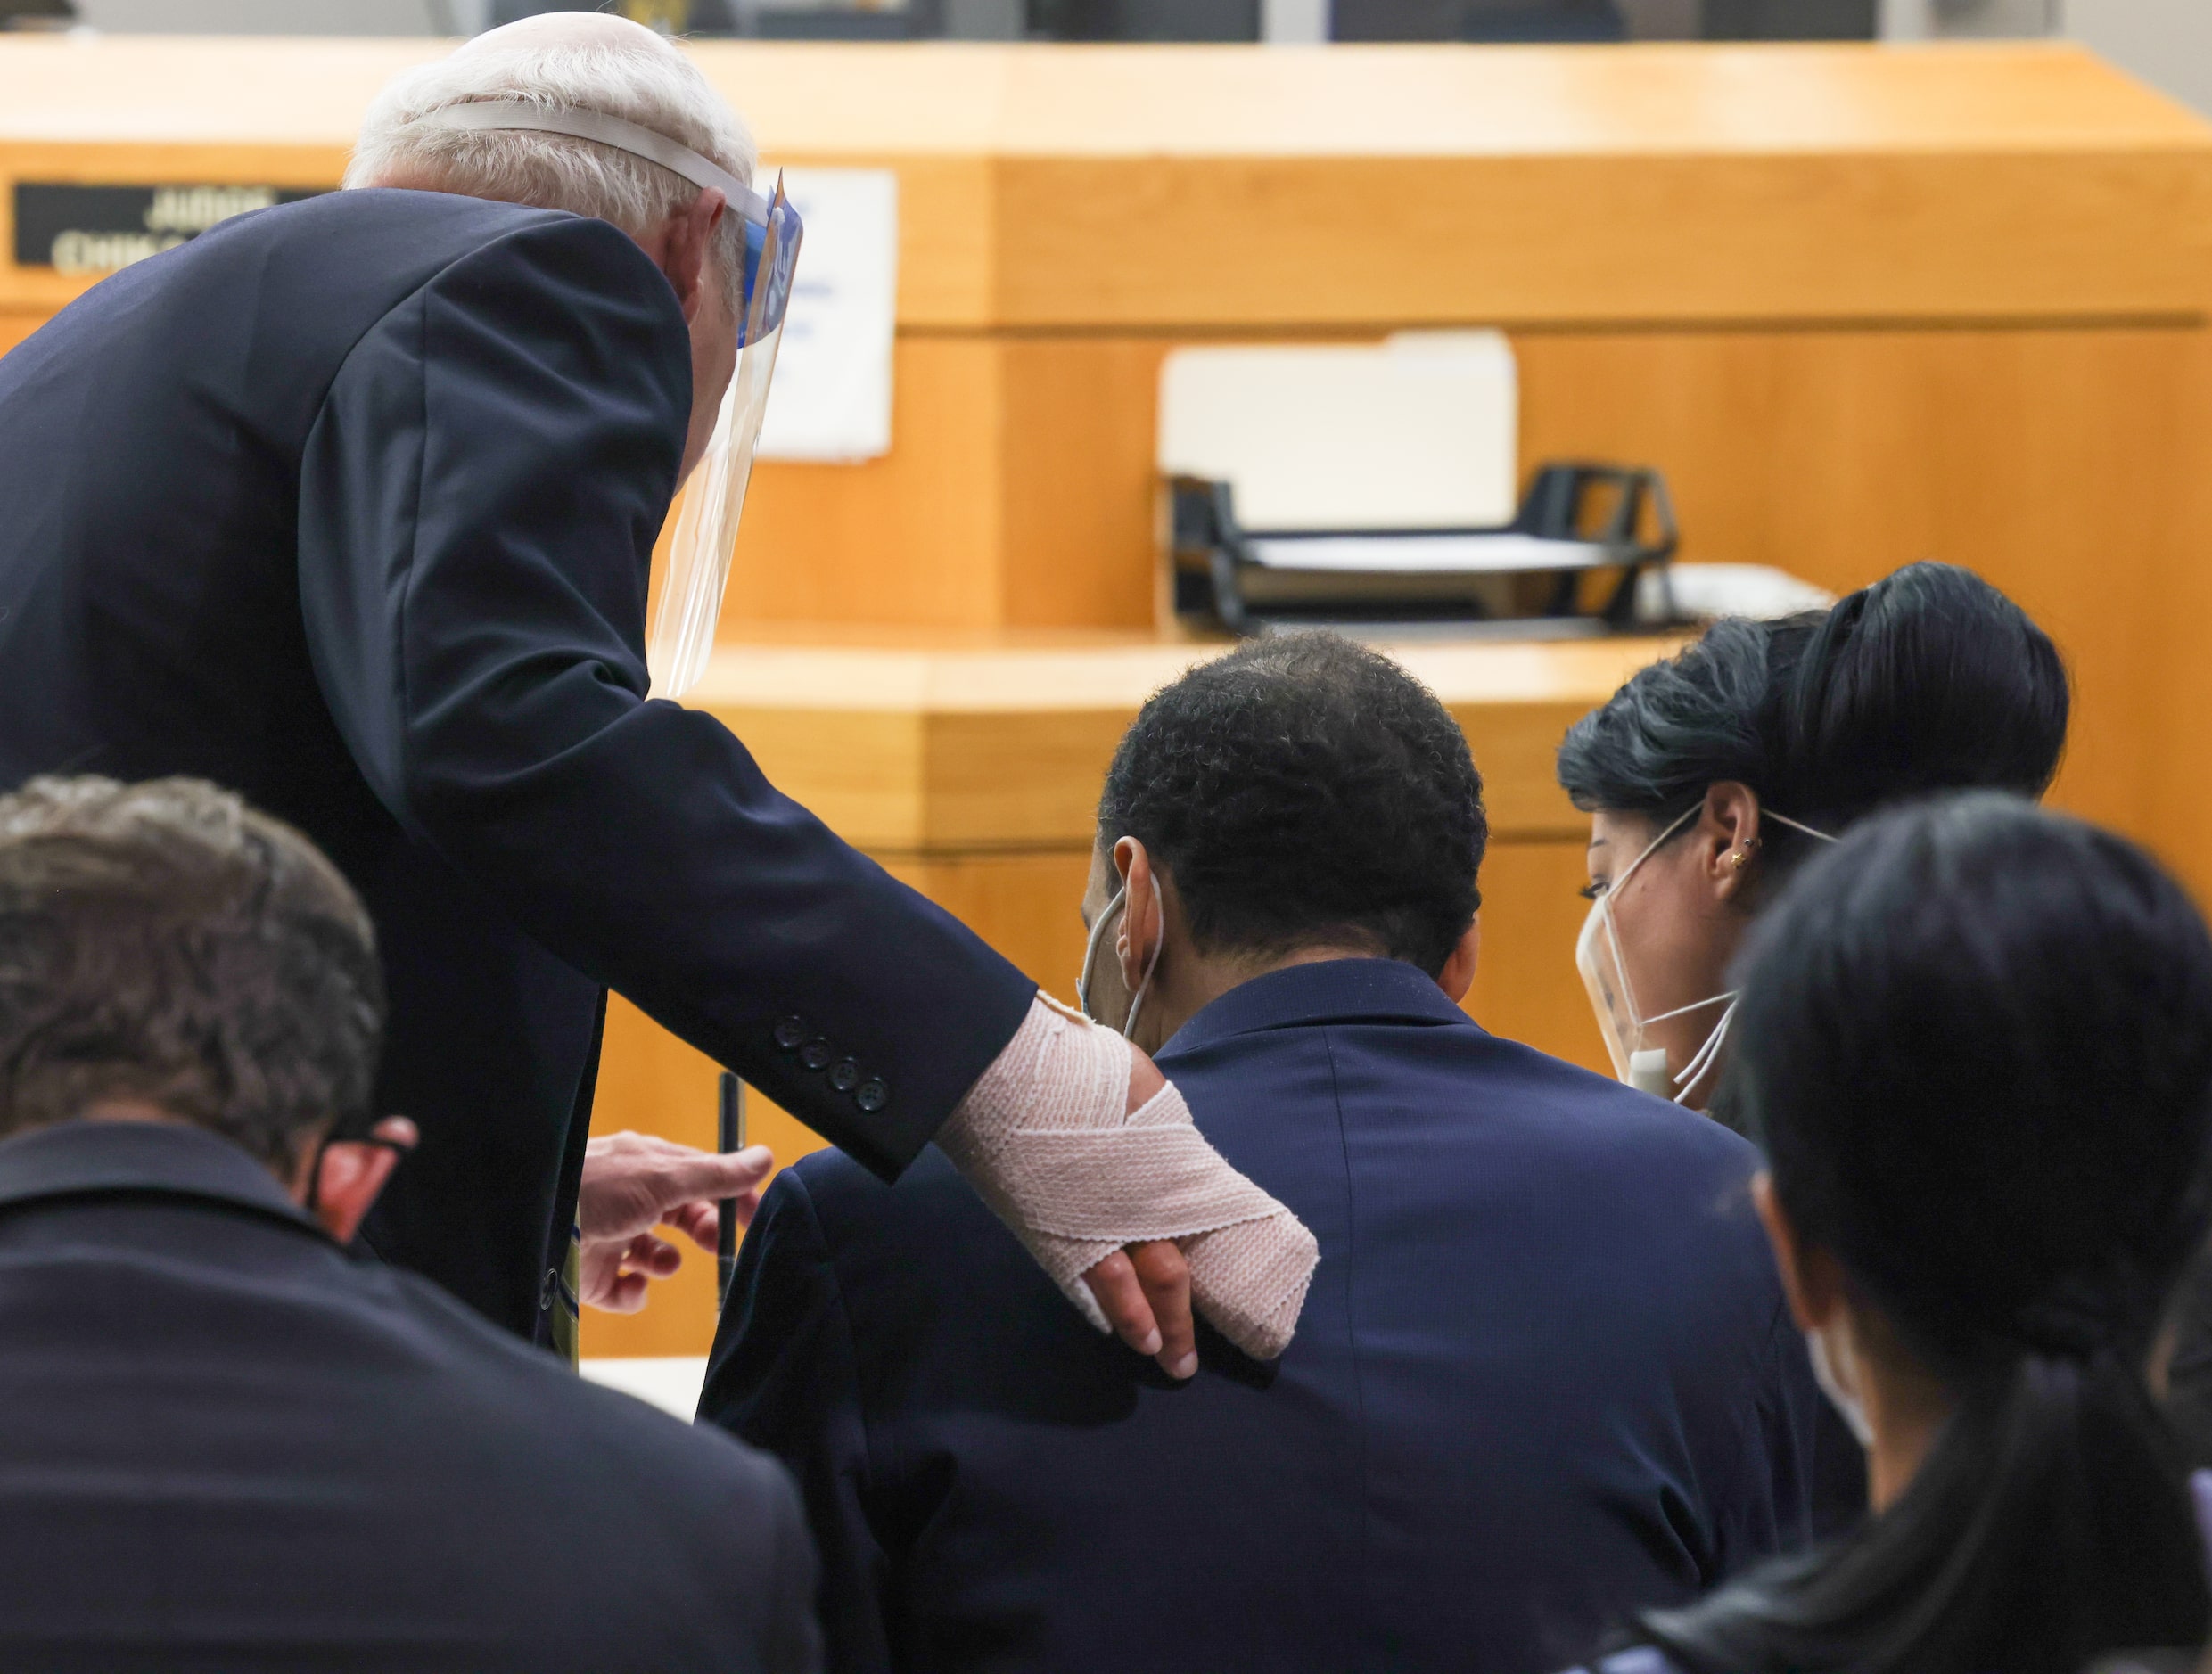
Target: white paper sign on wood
pixel 831 400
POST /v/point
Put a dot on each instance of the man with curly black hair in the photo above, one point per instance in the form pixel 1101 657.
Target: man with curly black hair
pixel 1543 1377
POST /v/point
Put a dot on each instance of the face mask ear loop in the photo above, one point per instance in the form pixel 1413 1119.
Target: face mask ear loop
pixel 1694 1005
pixel 1650 848
pixel 1090 950
pixel 1784 819
pixel 1707 1055
pixel 1137 1000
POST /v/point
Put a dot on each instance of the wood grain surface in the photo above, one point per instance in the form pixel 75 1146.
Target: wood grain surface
pixel 1179 187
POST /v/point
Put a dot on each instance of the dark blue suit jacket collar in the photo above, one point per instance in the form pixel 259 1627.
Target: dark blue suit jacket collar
pixel 84 1159
pixel 1329 991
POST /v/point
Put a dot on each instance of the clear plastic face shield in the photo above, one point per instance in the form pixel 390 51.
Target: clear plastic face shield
pixel 680 635
pixel 1639 1058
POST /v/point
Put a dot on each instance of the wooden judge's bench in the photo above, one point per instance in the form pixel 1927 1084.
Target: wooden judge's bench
pixel 1861 305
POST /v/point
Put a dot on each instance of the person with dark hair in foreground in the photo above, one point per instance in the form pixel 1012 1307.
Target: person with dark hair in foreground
pixel 227 1443
pixel 1976 1043
pixel 1544 1374
pixel 1709 776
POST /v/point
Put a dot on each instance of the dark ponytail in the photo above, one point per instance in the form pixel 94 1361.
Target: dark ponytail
pixel 1929 680
pixel 1976 1042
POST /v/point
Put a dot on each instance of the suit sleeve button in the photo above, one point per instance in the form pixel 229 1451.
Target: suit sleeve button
pixel 845 1075
pixel 817 1054
pixel 790 1031
pixel 872 1096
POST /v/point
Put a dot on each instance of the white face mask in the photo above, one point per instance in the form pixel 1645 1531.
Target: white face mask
pixel 1838 1382
pixel 1090 956
pixel 1637 1059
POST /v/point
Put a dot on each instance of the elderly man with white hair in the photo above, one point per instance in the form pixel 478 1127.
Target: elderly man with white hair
pixel 349 505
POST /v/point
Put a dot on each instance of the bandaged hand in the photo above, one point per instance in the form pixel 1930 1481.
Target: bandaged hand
pixel 1045 1137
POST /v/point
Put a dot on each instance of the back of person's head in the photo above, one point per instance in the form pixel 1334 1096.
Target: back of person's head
pixel 164 945
pixel 1976 1044
pixel 1303 792
pixel 1929 680
pixel 563 61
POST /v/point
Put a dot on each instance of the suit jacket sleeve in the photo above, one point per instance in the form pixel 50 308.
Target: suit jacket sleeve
pixel 784 1378
pixel 479 498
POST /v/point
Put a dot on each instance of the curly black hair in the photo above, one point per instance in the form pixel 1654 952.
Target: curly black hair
pixel 1304 791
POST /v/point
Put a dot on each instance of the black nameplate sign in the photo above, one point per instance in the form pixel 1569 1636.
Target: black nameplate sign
pixel 87 230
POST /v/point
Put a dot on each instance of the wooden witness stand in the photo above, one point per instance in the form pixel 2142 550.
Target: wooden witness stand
pixel 1861 305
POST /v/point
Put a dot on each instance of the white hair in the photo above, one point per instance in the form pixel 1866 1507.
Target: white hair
pixel 563 61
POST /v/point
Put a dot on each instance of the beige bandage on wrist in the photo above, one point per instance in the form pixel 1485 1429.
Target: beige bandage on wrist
pixel 1043 1136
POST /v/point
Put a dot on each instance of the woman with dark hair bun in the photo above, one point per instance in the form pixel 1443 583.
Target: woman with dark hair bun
pixel 1976 1046
pixel 1707 777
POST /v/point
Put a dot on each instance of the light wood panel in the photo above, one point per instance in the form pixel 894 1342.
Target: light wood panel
pixel 917 536
pixel 1525 985
pixel 1019 492
pixel 1531 239
pixel 1177 186
pixel 2067 467
pixel 1145 103
pixel 927 752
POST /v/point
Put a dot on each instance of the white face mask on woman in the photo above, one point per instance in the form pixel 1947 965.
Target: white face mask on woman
pixel 1091 957
pixel 1637 1059
pixel 1838 1378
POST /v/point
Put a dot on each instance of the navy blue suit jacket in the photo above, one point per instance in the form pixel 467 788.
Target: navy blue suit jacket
pixel 1545 1375
pixel 348 505
pixel 227 1444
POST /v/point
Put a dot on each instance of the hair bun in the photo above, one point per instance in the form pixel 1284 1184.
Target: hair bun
pixel 1930 679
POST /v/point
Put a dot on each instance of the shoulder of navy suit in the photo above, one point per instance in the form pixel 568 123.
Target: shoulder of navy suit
pixel 1326 991
pixel 372 250
pixel 95 1160
pixel 668 1493
pixel 487 247
pixel 104 1158
pixel 366 250
pixel 1389 993
pixel 447 219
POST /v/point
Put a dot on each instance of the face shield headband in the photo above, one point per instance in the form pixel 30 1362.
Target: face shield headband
pixel 1637 1059
pixel 681 634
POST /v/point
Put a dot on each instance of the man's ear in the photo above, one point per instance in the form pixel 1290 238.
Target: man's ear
pixel 1812 1279
pixel 1142 926
pixel 688 237
pixel 1458 975
pixel 349 1175
pixel 1727 838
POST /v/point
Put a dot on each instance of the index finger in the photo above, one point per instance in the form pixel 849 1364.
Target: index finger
pixel 1165 1276
pixel 1113 1284
pixel 700 1176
